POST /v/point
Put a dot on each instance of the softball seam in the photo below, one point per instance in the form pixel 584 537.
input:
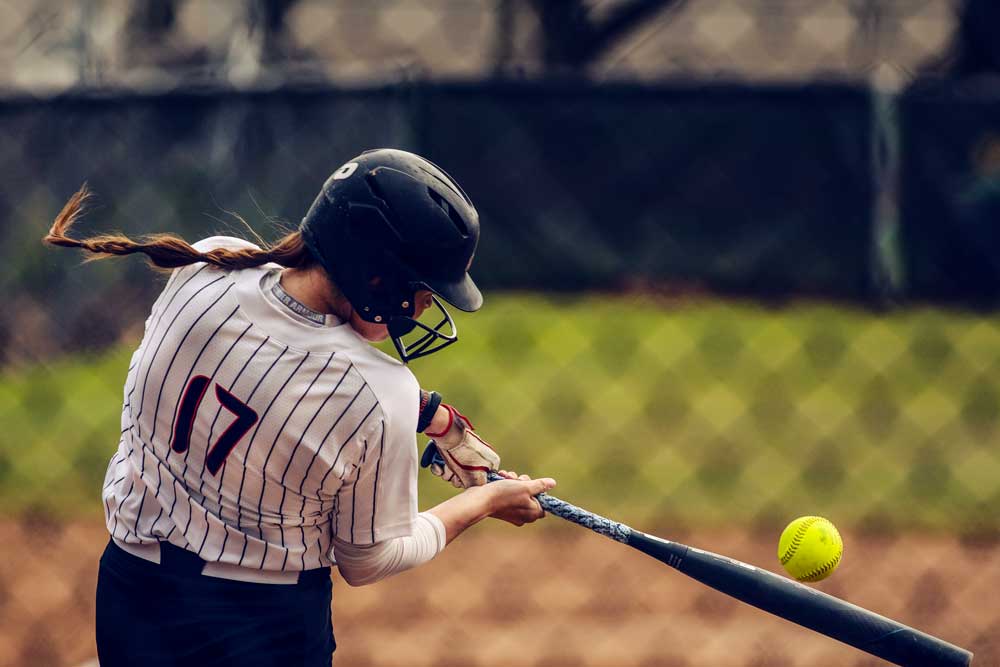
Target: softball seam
pixel 797 539
pixel 821 572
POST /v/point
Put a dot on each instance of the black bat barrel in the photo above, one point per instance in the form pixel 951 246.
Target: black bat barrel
pixel 805 606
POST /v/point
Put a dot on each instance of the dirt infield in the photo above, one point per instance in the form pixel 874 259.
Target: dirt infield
pixel 545 597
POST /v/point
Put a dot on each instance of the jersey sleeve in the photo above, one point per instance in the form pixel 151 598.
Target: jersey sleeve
pixel 380 503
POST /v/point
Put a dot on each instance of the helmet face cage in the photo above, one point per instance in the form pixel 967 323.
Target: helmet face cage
pixel 430 339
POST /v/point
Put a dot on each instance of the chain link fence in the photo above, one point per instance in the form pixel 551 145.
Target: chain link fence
pixel 712 306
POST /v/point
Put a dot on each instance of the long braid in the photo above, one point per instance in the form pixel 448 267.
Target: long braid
pixel 168 251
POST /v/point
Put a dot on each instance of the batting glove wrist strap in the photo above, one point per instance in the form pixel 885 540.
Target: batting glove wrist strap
pixel 468 458
pixel 429 402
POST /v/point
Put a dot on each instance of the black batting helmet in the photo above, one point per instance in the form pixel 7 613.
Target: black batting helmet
pixel 389 223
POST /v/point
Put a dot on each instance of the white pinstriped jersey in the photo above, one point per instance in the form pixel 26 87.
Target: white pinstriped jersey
pixel 252 436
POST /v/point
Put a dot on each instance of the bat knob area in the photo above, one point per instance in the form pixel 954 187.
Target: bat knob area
pixel 431 455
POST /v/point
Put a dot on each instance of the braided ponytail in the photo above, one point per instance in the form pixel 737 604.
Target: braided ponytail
pixel 167 251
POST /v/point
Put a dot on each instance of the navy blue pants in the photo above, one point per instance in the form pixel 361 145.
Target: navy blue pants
pixel 169 614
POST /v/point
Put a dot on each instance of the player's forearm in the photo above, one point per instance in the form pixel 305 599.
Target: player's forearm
pixel 363 565
pixel 464 510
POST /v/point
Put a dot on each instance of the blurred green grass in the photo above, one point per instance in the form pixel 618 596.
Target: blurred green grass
pixel 646 409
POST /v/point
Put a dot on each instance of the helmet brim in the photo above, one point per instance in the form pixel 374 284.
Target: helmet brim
pixel 463 294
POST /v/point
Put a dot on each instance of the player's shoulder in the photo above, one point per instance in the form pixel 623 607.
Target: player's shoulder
pixel 395 387
pixel 213 243
pixel 231 242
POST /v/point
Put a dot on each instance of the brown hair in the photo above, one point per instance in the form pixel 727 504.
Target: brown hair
pixel 168 251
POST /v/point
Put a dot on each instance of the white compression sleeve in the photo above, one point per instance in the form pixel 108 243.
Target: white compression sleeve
pixel 361 565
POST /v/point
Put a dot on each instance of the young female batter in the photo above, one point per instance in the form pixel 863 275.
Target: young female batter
pixel 263 439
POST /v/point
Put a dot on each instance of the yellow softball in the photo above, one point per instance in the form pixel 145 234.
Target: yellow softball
pixel 810 548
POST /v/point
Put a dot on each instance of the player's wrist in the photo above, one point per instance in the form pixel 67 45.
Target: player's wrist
pixel 430 409
pixel 485 498
pixel 441 423
pixel 458 454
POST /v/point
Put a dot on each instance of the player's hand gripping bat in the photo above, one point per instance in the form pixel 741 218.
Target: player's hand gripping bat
pixel 788 599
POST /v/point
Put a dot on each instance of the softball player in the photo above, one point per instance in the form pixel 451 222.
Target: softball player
pixel 263 439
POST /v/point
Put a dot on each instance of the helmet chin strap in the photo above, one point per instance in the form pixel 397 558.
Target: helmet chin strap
pixel 431 339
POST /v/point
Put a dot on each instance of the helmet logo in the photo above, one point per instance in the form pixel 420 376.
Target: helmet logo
pixel 345 171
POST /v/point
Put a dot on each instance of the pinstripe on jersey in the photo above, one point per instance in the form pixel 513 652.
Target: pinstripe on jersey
pixel 331 449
